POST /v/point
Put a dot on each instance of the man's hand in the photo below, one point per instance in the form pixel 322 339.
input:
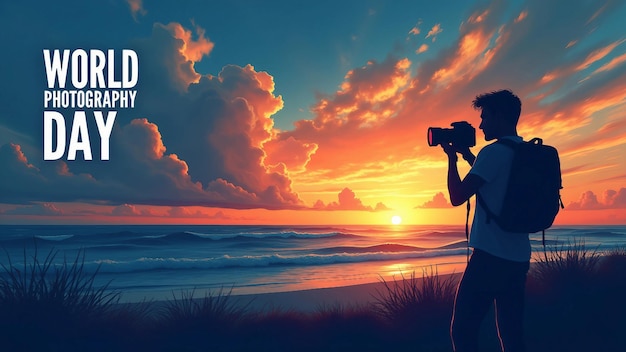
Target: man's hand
pixel 451 151
pixel 460 191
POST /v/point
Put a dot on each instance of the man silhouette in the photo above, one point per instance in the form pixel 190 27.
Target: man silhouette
pixel 496 271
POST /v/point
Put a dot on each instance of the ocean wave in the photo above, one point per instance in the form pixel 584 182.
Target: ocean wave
pixel 35 240
pixel 227 261
pixel 55 238
pixel 113 247
pixel 387 248
pixel 602 234
pixel 186 236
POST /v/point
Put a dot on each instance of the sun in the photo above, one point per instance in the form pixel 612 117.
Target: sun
pixel 396 220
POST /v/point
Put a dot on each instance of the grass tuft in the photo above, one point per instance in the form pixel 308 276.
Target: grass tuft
pixel 567 267
pixel 50 299
pixel 44 284
pixel 213 307
pixel 422 307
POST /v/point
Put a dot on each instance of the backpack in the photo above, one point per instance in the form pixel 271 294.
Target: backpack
pixel 532 198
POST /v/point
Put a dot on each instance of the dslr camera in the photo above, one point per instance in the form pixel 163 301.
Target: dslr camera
pixel 461 135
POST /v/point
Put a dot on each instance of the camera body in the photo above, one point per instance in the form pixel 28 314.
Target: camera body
pixel 461 135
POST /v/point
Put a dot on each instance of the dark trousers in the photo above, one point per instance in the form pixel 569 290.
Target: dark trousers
pixel 489 279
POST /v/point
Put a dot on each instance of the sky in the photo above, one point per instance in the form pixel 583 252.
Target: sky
pixel 282 112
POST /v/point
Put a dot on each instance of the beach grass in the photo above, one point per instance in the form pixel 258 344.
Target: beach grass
pixel 568 267
pixel 50 299
pixel 574 303
pixel 421 306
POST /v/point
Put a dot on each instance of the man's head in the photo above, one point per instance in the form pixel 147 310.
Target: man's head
pixel 500 113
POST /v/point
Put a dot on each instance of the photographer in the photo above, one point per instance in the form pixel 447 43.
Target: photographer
pixel 496 271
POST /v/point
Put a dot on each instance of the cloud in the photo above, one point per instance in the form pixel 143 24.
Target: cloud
pixel 438 201
pixel 521 16
pixel 422 49
pixel 598 55
pixel 293 154
pixel 192 50
pixel 473 56
pixel 185 212
pixel 125 210
pixel 215 129
pixel 43 209
pixel 136 8
pixel 436 30
pixel 347 200
pixel 611 199
pixel 416 29
pixel 222 124
pixel 614 63
pixel 347 123
pixel 140 167
pixel 172 51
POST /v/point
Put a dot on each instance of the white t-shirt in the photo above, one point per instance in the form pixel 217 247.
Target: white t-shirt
pixel 492 165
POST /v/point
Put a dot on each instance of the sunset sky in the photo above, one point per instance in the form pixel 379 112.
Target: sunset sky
pixel 283 112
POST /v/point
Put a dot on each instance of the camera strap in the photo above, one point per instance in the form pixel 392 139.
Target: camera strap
pixel 467 228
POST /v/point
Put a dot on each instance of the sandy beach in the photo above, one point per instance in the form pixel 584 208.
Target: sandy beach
pixel 315 299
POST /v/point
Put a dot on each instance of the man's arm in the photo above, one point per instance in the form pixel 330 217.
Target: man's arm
pixel 461 191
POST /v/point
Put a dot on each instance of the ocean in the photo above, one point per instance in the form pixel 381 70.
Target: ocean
pixel 155 262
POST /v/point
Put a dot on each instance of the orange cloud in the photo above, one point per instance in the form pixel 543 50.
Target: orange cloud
pixel 364 84
pixel 139 167
pixel 521 16
pixel 611 199
pixel 176 52
pixel 125 210
pixel 615 62
pixel 434 31
pixel 598 55
pixel 347 200
pixel 186 212
pixel 136 7
pixel 192 50
pixel 220 125
pixel 478 17
pixel 559 76
pixel 438 201
pixel 422 49
pixel 472 57
pixel 293 154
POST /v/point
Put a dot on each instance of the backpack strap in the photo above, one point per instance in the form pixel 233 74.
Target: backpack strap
pixel 510 143
pixel 490 215
pixel 513 145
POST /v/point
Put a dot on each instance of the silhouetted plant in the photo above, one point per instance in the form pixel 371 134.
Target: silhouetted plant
pixel 565 267
pixel 422 306
pixel 44 285
pixel 212 308
pixel 57 302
